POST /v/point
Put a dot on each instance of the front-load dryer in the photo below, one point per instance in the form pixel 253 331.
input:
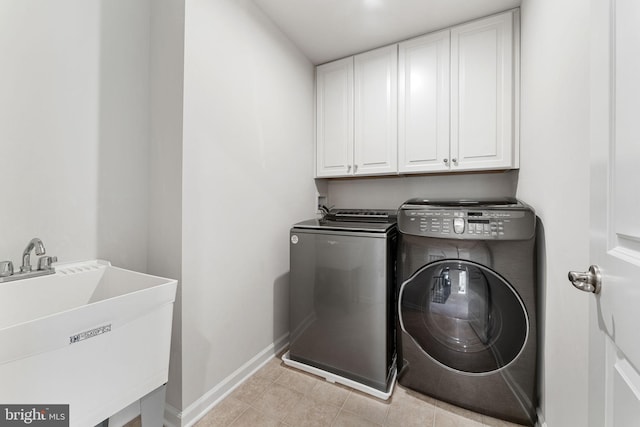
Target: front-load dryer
pixel 467 304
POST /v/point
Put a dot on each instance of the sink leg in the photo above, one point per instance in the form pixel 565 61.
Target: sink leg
pixel 152 407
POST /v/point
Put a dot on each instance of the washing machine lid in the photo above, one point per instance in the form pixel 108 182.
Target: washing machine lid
pixel 348 226
pixel 353 220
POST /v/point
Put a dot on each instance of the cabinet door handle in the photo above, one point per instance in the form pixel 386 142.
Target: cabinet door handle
pixel 355 168
pixel 454 161
pixel 348 168
pixel 446 161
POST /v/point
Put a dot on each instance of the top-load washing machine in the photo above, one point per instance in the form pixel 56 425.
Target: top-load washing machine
pixel 342 284
pixel 467 304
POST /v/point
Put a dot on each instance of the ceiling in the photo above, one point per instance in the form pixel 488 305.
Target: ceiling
pixel 331 29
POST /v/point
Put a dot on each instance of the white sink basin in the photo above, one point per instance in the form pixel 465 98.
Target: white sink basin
pixel 91 335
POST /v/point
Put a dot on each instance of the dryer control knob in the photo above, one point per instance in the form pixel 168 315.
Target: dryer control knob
pixel 458 225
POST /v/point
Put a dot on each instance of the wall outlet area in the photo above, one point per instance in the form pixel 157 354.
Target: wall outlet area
pixel 321 201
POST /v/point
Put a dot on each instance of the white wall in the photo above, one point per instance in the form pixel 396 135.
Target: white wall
pixel 91 129
pixel 247 168
pixel 49 126
pixel 123 163
pixel 165 166
pixel 73 128
pixel 554 178
pixel 391 192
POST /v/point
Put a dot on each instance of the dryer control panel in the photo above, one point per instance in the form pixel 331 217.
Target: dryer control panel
pixel 451 222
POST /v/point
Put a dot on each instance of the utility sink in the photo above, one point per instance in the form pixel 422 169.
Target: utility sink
pixel 92 335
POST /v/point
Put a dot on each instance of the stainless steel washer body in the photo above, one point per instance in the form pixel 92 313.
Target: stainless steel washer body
pixel 467 304
pixel 341 298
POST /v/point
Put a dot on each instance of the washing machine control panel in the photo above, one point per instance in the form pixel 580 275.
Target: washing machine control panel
pixel 467 224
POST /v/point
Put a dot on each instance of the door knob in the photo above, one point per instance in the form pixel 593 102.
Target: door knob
pixel 591 281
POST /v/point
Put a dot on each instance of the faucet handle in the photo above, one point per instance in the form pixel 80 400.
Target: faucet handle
pixel 44 262
pixel 6 268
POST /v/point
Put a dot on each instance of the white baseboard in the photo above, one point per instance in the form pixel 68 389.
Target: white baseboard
pixel 173 417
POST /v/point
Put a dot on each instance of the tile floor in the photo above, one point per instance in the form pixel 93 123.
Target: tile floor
pixel 278 395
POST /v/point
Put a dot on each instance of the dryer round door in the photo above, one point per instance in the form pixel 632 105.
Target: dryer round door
pixel 464 316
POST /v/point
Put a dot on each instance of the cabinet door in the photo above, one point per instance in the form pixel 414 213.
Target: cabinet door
pixel 423 104
pixel 376 112
pixel 482 94
pixel 334 113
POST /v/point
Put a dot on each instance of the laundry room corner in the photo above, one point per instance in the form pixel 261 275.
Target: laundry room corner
pixel 247 176
pixel 367 210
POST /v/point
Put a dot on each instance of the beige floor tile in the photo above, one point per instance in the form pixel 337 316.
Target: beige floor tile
pixel 464 413
pixel 409 411
pixel 327 392
pixel 445 418
pixel 251 389
pixel 281 396
pixel 494 422
pixel 311 413
pixel 348 419
pixel 403 391
pixel 253 418
pixel 298 381
pixel 136 422
pixel 224 413
pixel 271 371
pixel 277 401
pixel 366 407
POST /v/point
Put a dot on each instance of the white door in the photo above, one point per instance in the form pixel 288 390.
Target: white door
pixel 334 123
pixel 376 112
pixel 614 376
pixel 423 104
pixel 483 135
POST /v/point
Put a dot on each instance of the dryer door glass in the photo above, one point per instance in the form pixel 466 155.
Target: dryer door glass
pixel 463 315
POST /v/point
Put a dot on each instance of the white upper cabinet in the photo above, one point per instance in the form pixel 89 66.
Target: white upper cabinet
pixel 483 129
pixel 357 115
pixel 334 118
pixel 376 112
pixel 443 102
pixel 423 104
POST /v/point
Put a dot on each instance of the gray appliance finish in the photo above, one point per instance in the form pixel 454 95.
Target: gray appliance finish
pixel 467 304
pixel 342 276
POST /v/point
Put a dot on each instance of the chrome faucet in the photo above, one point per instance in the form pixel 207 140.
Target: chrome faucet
pixel 45 266
pixel 36 244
